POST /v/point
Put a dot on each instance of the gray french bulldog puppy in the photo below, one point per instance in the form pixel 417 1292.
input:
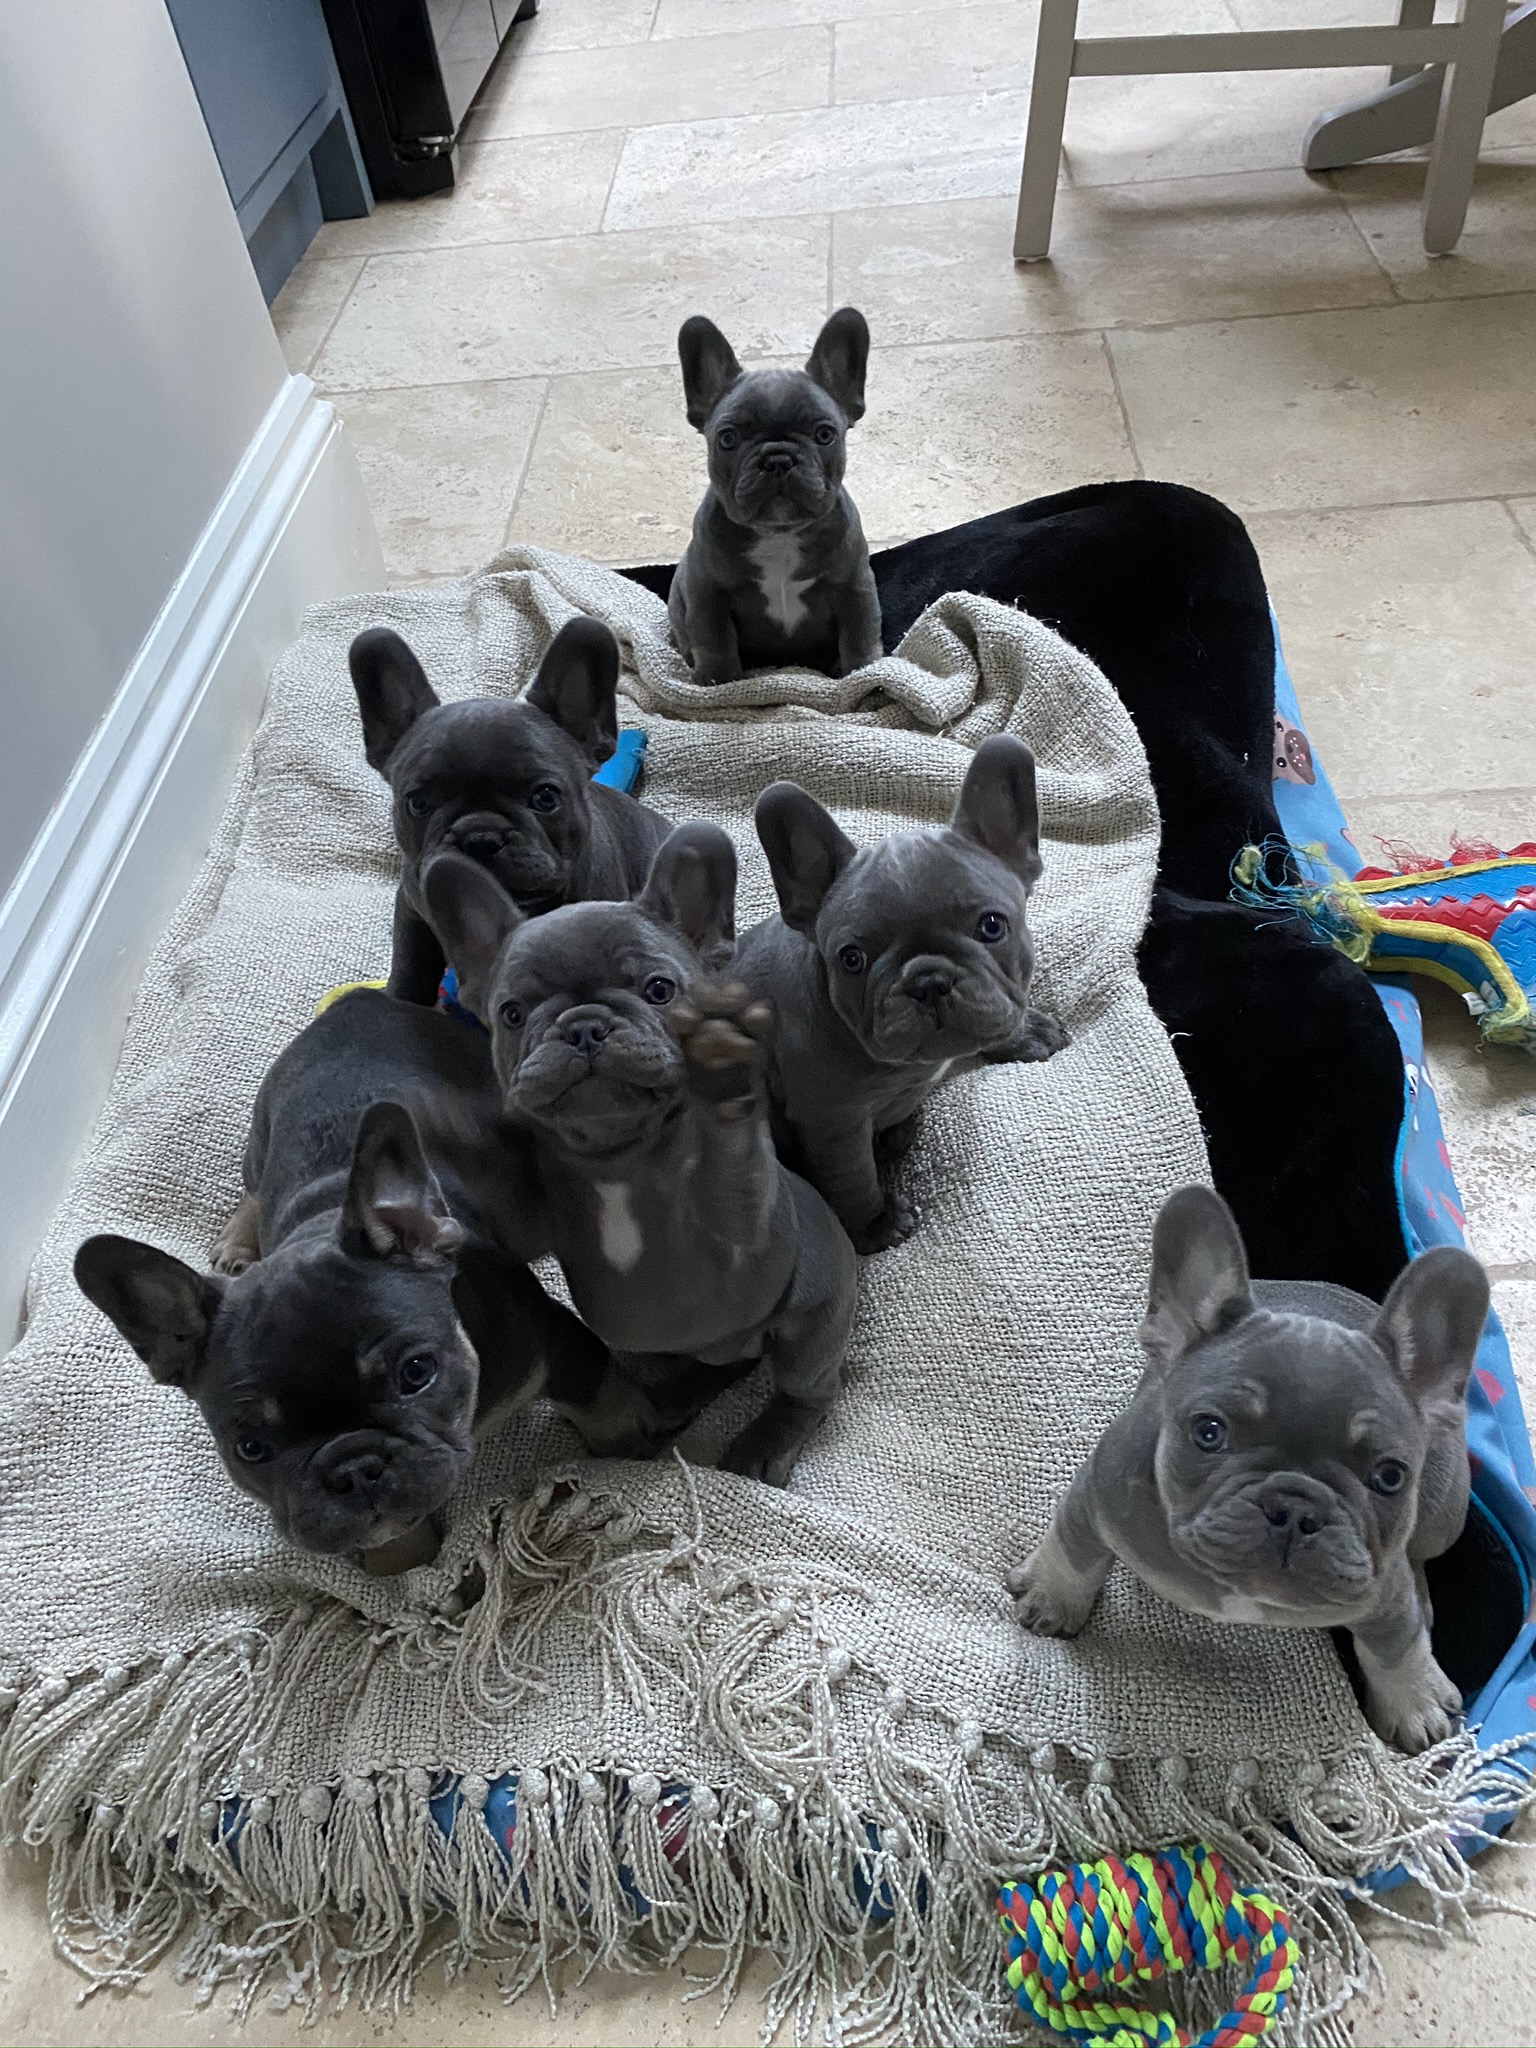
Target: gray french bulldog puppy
pixel 777 571
pixel 891 967
pixel 1292 1457
pixel 508 783
pixel 374 1312
pixel 687 1247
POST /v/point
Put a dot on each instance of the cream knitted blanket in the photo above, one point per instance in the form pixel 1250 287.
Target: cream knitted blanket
pixel 736 1717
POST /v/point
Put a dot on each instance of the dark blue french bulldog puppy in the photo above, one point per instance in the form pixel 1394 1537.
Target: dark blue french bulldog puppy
pixel 638 1074
pixel 777 572
pixel 1292 1457
pixel 374 1311
pixel 508 783
pixel 892 967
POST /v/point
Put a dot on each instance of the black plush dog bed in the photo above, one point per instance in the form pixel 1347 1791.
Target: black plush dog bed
pixel 1293 1065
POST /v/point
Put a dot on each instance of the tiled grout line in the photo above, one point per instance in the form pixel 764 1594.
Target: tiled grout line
pixel 527 462
pixel 1386 276
pixel 1419 796
pixel 1125 415
pixel 1521 534
pixel 346 299
pixel 1525 1271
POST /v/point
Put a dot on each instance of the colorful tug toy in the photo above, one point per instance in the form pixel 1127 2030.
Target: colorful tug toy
pixel 1470 921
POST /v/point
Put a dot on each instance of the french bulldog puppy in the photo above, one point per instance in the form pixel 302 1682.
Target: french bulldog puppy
pixel 508 783
pixel 375 1312
pixel 686 1246
pixel 1292 1457
pixel 890 968
pixel 777 572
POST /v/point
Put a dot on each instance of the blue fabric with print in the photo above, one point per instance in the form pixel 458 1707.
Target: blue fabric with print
pixel 1429 1205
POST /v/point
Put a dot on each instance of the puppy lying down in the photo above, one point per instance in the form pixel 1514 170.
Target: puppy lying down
pixel 1291 1458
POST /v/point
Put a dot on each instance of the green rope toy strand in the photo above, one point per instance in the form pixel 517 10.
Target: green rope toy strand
pixel 1076 1936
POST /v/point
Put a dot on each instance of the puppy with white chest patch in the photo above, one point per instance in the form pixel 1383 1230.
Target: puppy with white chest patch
pixel 777 572
pixel 1292 1458
pixel 892 967
pixel 687 1247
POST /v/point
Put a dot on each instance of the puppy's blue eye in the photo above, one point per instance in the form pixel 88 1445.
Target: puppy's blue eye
pixel 1389 1477
pixel 250 1450
pixel 826 435
pixel 659 990
pixel 545 797
pixel 1208 1433
pixel 417 802
pixel 727 439
pixel 512 1016
pixel 418 1372
pixel 851 959
pixel 991 926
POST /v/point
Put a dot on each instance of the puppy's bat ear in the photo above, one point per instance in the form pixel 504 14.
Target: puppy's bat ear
pixel 392 691
pixel 692 888
pixel 806 851
pixel 1430 1323
pixel 838 361
pixel 577 686
pixel 998 809
pixel 161 1305
pixel 709 365
pixel 1199 1274
pixel 394 1208
pixel 473 917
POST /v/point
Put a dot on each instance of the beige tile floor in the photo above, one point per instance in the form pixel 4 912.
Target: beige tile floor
pixel 504 359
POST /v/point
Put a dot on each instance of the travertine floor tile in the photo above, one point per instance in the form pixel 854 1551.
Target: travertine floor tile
pixel 585 25
pixel 1524 514
pixel 640 84
pixel 308 303
pixel 1497 250
pixel 1428 824
pixel 1487 1096
pixel 1195 249
pixel 442 466
pixel 703 17
pixel 1384 404
pixel 954 432
pixel 599 302
pixel 1515 1301
pixel 1408 631
pixel 616 470
pixel 535 189
pixel 766 164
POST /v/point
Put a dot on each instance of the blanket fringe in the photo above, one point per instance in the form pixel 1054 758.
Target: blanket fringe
pixel 149 1791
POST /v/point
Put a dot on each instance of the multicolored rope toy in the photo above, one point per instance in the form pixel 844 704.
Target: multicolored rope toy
pixel 1093 1928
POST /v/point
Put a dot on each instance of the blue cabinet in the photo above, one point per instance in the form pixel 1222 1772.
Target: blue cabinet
pixel 266 79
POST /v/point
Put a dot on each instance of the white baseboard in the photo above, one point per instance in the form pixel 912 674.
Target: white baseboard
pixel 134 820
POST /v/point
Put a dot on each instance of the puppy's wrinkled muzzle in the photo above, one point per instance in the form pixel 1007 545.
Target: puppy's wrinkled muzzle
pixel 1284 1536
pixel 354 1465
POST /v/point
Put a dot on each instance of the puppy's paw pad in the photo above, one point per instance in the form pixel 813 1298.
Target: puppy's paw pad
pixel 893 1225
pixel 1044 1608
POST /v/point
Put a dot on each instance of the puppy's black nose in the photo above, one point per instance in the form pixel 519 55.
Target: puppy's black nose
pixel 778 461
pixel 930 985
pixel 586 1033
pixel 1285 1514
pixel 355 1475
pixel 481 846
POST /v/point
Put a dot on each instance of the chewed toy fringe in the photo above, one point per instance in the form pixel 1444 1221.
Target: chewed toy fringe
pixel 146 1789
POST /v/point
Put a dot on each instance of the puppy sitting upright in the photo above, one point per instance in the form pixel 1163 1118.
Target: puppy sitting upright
pixel 380 1312
pixel 1292 1457
pixel 892 967
pixel 509 784
pixel 777 573
pixel 685 1244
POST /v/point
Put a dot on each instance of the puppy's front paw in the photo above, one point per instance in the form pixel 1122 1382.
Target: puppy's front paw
pixel 238 1244
pixel 893 1224
pixel 1413 1706
pixel 717 668
pixel 1037 1038
pixel 723 1032
pixel 1048 1599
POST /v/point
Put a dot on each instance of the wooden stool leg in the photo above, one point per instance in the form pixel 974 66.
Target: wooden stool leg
pixel 1459 130
pixel 1042 141
pixel 1411 14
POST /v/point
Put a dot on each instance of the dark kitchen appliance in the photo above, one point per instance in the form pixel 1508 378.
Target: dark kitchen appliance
pixel 411 68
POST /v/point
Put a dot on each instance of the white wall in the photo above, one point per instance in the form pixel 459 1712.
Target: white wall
pixel 136 362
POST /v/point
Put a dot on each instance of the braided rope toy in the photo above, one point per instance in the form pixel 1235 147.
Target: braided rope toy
pixel 1093 1928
